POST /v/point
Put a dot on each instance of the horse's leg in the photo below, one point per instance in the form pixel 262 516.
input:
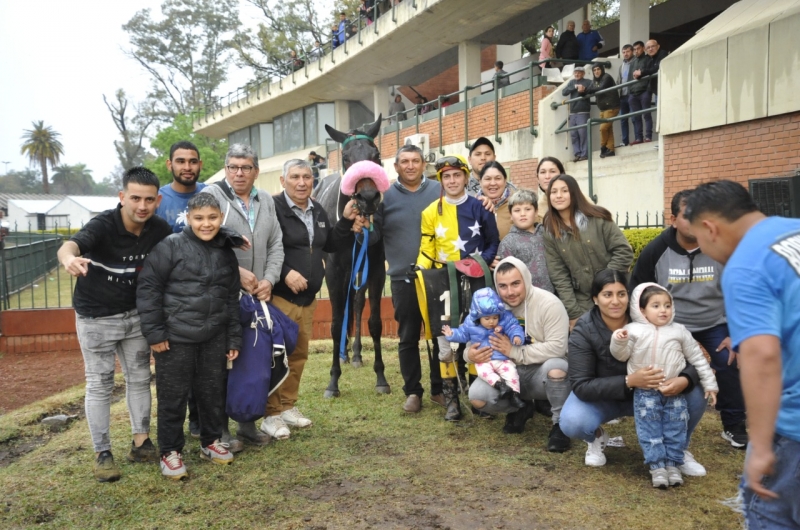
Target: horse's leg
pixel 333 276
pixel 358 301
pixel 377 280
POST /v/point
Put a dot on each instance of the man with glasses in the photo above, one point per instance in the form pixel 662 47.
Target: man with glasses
pixel 250 212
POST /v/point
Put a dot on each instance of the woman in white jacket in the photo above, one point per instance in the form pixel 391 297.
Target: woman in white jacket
pixel 654 340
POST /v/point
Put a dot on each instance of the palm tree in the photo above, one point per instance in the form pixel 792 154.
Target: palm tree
pixel 73 180
pixel 42 147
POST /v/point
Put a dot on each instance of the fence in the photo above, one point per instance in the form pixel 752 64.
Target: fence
pixel 647 224
pixel 29 270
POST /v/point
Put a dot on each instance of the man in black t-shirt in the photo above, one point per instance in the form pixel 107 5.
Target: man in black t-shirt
pixel 106 257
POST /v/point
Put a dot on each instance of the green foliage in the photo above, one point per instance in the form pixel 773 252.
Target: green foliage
pixel 212 151
pixel 639 238
pixel 42 146
pixel 25 181
pixel 605 12
pixel 73 180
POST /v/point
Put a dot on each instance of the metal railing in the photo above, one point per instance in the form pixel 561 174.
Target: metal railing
pixel 416 110
pixel 29 269
pixel 638 224
pixel 597 121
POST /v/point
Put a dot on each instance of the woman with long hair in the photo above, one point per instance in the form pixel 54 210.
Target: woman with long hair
pixel 548 168
pixel 580 240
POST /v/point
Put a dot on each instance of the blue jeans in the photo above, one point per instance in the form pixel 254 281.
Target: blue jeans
pixel 730 401
pixel 578 136
pixel 580 419
pixel 624 108
pixel 782 513
pixel 101 339
pixel 661 427
pixel 639 102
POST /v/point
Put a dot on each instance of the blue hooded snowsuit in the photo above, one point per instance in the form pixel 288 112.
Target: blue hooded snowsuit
pixel 486 302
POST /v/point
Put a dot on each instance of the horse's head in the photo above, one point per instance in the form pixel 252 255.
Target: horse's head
pixel 357 145
pixel 364 182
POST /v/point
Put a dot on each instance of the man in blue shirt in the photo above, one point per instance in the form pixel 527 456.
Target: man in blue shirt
pixel 589 42
pixel 185 165
pixel 761 286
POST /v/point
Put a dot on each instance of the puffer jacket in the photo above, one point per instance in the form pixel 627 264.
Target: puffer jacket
pixel 667 347
pixel 572 262
pixel 607 100
pixel 486 302
pixel 188 289
pixel 595 375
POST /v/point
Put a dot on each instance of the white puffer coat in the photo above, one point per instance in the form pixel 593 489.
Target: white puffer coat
pixel 667 347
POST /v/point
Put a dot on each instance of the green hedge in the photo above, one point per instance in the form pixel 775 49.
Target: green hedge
pixel 639 238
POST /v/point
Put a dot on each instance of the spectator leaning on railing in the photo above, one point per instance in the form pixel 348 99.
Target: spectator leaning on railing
pixel 608 103
pixel 578 112
pixel 624 104
pixel 639 96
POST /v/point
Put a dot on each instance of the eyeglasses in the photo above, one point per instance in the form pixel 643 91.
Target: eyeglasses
pixel 450 161
pixel 246 170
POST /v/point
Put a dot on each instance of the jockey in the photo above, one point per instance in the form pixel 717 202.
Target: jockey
pixel 453 228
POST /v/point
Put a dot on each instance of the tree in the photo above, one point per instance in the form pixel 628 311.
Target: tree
pixel 212 151
pixel 186 52
pixel 25 181
pixel 605 12
pixel 73 180
pixel 132 125
pixel 288 25
pixel 42 147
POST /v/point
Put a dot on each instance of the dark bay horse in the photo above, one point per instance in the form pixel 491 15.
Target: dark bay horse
pixel 357 145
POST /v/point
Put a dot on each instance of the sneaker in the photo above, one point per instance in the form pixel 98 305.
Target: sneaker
pixel 674 476
pixel 691 467
pixel 194 429
pixel 248 434
pixel 172 466
pixel 275 427
pixel 610 153
pixel 660 478
pixel 557 441
pixel 216 453
pixel 294 418
pixel 594 454
pixel 636 142
pixel 438 399
pixel 105 470
pixel 736 435
pixel 144 453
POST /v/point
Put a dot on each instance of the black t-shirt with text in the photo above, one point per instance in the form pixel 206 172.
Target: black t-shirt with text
pixel 116 256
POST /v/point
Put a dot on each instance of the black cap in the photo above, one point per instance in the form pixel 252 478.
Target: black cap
pixel 312 153
pixel 479 142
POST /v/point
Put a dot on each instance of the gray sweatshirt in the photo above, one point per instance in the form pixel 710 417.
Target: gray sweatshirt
pixel 265 258
pixel 398 222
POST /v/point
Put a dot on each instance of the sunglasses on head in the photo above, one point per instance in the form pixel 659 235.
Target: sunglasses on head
pixel 450 161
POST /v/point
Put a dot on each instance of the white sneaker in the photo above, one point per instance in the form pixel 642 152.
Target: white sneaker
pixel 295 418
pixel 172 466
pixel 275 427
pixel 217 453
pixel 594 454
pixel 691 467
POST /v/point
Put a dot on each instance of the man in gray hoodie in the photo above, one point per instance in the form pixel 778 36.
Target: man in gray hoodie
pixel 250 212
pixel 398 222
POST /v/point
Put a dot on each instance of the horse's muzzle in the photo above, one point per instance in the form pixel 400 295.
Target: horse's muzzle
pixel 367 201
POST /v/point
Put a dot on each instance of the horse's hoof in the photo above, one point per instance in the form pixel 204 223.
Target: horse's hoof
pixel 331 394
pixel 356 364
pixel 383 389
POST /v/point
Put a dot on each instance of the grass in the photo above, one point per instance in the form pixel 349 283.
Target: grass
pixel 364 464
pixel 52 290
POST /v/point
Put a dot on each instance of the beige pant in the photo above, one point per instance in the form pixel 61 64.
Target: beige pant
pixel 285 396
pixel 607 129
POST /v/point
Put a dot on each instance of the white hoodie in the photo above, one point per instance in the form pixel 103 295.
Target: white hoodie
pixel 667 347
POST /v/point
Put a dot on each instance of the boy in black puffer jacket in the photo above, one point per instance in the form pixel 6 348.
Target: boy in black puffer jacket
pixel 188 301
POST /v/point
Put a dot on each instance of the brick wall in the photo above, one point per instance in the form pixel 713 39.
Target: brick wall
pixel 753 149
pixel 447 81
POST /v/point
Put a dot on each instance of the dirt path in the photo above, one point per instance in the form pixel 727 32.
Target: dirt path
pixel 28 377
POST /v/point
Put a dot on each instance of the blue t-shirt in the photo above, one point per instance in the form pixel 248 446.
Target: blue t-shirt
pixel 173 205
pixel 761 285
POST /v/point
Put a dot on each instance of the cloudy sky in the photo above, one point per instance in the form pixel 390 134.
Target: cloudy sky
pixel 57 59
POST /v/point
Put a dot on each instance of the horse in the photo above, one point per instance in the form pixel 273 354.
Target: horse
pixel 357 145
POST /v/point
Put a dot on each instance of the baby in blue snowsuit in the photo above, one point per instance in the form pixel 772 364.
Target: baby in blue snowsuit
pixel 487 316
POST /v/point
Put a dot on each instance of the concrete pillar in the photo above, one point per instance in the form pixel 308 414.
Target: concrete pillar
pixel 469 66
pixel 341 113
pixel 634 21
pixel 509 53
pixel 380 100
pixel 577 16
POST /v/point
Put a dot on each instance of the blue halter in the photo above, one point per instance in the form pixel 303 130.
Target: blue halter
pixel 360 264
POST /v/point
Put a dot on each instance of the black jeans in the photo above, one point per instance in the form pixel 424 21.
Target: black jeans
pixel 200 367
pixel 409 324
pixel 730 401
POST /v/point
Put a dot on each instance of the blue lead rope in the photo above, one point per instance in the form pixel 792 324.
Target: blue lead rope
pixel 359 263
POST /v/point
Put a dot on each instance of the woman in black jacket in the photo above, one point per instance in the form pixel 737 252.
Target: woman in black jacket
pixel 601 390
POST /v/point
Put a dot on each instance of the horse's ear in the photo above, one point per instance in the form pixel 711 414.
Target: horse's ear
pixel 336 136
pixel 372 130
